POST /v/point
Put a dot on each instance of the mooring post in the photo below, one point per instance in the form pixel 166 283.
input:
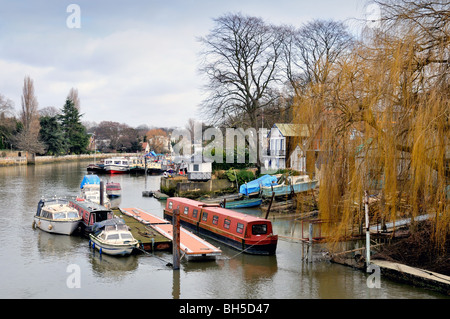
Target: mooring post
pixel 102 191
pixel 310 242
pixel 270 205
pixel 366 209
pixel 176 239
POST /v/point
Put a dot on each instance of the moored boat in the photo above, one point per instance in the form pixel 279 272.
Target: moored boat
pixel 113 189
pixel 90 213
pixel 91 190
pixel 117 165
pixel 112 237
pixel 56 216
pixel 243 203
pixel 249 234
pixel 293 185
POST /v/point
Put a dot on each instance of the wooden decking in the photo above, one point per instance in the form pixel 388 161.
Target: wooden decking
pixel 150 240
pixel 191 246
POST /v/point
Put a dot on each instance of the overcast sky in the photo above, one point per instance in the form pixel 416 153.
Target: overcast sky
pixel 133 62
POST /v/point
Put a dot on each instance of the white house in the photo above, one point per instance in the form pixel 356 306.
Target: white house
pixel 287 147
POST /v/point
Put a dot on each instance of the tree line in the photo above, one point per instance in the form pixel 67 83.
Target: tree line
pixel 53 131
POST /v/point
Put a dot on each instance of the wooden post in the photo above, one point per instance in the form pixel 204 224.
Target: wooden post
pixel 366 209
pixel 270 205
pixel 176 239
pixel 310 242
pixel 102 191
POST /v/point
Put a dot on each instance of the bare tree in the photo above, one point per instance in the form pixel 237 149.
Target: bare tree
pixel 28 138
pixel 73 96
pixel 311 52
pixel 240 62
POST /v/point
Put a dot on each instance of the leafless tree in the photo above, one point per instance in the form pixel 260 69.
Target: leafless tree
pixel 28 139
pixel 73 96
pixel 311 51
pixel 239 60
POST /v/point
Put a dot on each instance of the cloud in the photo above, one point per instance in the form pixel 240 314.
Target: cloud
pixel 132 62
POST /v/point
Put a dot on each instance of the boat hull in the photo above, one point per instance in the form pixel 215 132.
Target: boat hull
pixel 55 226
pixel 281 190
pixel 246 203
pixel 111 249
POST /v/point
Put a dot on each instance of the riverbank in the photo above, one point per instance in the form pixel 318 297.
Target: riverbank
pixel 12 158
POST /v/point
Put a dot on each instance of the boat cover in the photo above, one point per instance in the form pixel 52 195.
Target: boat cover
pixel 90 180
pixel 254 186
pixel 108 222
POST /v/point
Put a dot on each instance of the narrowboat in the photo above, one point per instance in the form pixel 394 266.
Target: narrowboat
pixel 246 233
pixel 90 213
pixel 56 216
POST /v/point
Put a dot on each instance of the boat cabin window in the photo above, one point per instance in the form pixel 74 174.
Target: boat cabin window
pixel 226 223
pixel 186 210
pixel 126 236
pixel 205 217
pixel 113 236
pixel 170 205
pixel 240 228
pixel 259 229
pixel 195 213
pixel 72 215
pixel 215 219
pixel 59 215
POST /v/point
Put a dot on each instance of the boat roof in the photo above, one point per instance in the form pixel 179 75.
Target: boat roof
pixel 217 209
pixel 58 208
pixel 90 206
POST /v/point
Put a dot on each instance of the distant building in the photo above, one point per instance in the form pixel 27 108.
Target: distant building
pixel 289 145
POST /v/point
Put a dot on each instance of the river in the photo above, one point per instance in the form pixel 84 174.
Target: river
pixel 36 264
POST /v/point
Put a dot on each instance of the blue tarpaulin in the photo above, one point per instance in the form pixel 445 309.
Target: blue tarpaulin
pixel 151 154
pixel 254 186
pixel 90 179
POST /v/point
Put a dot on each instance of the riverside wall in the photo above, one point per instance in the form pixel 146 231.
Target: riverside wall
pixel 11 158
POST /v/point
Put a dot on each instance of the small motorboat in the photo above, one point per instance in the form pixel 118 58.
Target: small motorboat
pixel 56 216
pixel 90 190
pixel 113 189
pixel 112 237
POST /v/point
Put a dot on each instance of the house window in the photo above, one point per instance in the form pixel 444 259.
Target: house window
pixel 240 228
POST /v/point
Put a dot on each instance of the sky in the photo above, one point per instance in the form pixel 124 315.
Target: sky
pixel 132 62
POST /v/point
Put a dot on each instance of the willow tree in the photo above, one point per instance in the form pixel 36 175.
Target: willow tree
pixel 384 122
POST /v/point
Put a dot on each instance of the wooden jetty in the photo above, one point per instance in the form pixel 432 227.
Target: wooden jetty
pixel 191 246
pixel 149 239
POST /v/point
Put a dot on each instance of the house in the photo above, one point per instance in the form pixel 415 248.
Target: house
pixel 199 170
pixel 288 146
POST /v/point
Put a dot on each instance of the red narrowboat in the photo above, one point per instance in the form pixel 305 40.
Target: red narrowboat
pixel 90 213
pixel 250 234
